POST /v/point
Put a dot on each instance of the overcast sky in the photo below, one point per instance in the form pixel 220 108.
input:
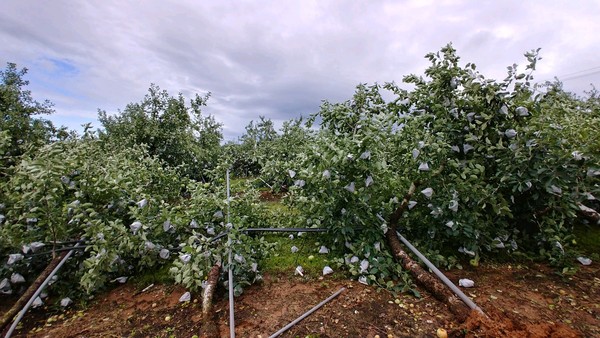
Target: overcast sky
pixel 279 59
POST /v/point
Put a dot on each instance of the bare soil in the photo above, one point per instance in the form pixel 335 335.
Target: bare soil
pixel 269 196
pixel 521 301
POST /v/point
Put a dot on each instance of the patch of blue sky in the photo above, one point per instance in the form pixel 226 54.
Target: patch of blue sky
pixel 55 78
pixel 73 122
pixel 62 67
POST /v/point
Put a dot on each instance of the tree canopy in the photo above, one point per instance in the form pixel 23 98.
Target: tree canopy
pixel 21 127
pixel 178 134
pixel 465 166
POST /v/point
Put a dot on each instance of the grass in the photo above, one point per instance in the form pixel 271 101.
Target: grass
pixel 283 261
pixel 276 207
pixel 159 275
pixel 280 213
pixel 238 183
pixel 588 240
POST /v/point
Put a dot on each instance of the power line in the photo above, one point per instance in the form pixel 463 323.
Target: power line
pixel 580 71
pixel 580 76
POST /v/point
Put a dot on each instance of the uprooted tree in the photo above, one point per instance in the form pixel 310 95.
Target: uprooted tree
pixel 487 167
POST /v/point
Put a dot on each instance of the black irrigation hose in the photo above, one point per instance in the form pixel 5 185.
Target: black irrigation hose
pixel 71 242
pixel 286 230
pixel 67 248
pixel 221 235
pixel 216 238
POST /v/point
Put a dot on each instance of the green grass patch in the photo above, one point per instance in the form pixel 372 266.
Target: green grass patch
pixel 158 275
pixel 284 261
pixel 238 184
pixel 276 207
pixel 281 215
pixel 588 240
pixel 279 209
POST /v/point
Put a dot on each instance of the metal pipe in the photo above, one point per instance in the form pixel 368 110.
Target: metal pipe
pixel 441 276
pixel 268 185
pixel 438 273
pixel 231 310
pixel 36 294
pixel 295 321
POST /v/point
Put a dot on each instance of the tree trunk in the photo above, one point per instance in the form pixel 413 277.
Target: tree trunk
pixel 210 328
pixel 14 310
pixel 589 213
pixel 424 278
pixel 427 280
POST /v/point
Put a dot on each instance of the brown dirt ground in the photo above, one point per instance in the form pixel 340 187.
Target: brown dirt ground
pixel 522 301
pixel 269 196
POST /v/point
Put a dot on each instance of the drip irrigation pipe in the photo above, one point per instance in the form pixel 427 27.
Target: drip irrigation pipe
pixel 286 230
pixel 78 247
pixel 249 230
pixel 71 242
pixel 223 234
pixel 297 320
pixel 36 294
pixel 214 239
pixel 64 248
pixel 441 276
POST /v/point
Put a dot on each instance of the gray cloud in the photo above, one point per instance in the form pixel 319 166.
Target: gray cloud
pixel 279 59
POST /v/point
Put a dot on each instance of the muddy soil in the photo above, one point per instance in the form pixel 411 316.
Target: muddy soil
pixel 521 301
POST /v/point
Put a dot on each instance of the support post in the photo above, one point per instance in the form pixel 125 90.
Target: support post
pixel 230 272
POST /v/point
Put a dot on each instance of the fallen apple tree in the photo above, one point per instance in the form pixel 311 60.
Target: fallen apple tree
pixel 486 152
pixel 422 277
pixel 589 213
pixel 8 316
